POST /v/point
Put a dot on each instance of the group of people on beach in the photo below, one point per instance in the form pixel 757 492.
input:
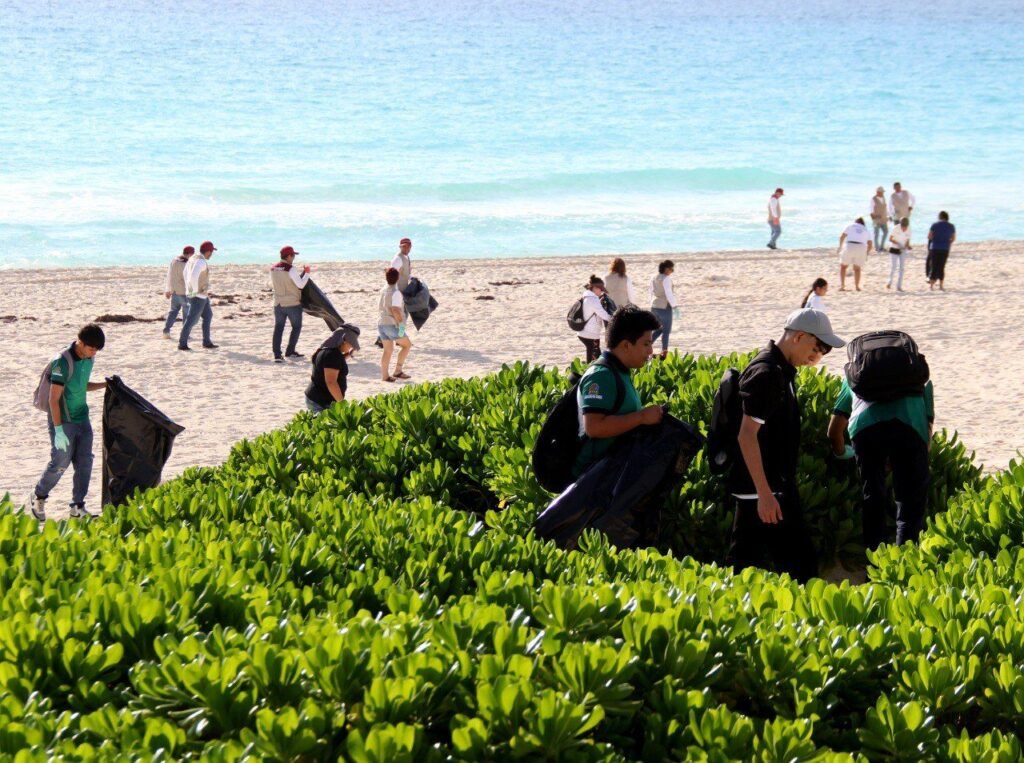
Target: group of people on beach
pixel 768 525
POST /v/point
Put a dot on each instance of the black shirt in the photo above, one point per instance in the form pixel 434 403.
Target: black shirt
pixel 768 394
pixel 317 390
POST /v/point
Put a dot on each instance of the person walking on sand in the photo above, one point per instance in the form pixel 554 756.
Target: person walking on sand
pixel 775 217
pixel 898 248
pixel 901 203
pixel 879 219
pixel 594 316
pixel 619 286
pixel 329 381
pixel 174 289
pixel 402 263
pixel 391 327
pixel 815 296
pixel 663 303
pixel 854 248
pixel 68 422
pixel 197 289
pixel 288 282
pixel 768 520
pixel 940 240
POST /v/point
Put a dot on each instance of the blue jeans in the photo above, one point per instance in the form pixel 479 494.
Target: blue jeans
pixel 776 232
pixel 315 407
pixel 178 302
pixel 79 453
pixel 881 236
pixel 294 316
pixel 665 316
pixel 198 307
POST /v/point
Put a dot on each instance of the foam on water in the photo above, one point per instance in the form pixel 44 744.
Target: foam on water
pixel 495 129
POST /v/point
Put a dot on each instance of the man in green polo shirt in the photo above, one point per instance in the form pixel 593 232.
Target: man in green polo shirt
pixel 608 403
pixel 893 433
pixel 68 420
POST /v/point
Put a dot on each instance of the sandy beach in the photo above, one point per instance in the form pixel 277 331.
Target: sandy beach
pixel 492 312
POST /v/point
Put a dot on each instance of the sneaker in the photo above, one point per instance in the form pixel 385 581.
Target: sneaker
pixel 210 346
pixel 184 348
pixel 278 359
pixel 167 334
pixel 37 506
pixel 78 511
pixel 294 355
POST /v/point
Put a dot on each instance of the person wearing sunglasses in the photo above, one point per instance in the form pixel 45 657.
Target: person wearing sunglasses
pixel 768 526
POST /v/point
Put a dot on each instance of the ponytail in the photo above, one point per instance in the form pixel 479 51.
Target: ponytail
pixel 818 283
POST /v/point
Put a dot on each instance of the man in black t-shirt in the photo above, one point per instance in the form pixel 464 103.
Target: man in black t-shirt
pixel 768 519
pixel 329 381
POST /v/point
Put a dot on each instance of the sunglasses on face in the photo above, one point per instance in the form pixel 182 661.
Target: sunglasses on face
pixel 821 347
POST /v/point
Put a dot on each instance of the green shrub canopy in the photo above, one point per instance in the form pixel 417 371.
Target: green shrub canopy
pixel 364 584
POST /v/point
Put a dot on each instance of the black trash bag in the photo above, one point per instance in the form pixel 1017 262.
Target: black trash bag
pixel 137 440
pixel 315 303
pixel 418 302
pixel 622 494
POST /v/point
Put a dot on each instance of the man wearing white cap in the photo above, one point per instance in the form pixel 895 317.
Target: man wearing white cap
pixel 769 521
pixel 880 219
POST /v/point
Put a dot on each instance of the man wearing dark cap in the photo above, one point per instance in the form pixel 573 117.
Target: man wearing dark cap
pixel 288 282
pixel 197 289
pixel 174 289
pixel 402 263
pixel 769 520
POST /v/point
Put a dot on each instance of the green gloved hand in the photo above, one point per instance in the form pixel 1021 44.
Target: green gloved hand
pixel 846 455
pixel 675 313
pixel 401 330
pixel 60 440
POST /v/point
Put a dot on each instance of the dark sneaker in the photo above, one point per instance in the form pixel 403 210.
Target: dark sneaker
pixel 78 512
pixel 37 506
pixel 294 355
pixel 278 359
pixel 184 348
pixel 210 346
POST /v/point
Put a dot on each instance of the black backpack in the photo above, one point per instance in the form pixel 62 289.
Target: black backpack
pixel 558 444
pixel 726 413
pixel 885 365
pixel 575 316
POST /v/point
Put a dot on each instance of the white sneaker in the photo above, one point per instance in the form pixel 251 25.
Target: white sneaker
pixel 37 506
pixel 78 512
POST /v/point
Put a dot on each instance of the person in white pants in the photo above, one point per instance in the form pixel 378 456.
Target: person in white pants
pixel 900 245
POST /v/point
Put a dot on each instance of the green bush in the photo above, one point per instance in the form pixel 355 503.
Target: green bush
pixel 364 584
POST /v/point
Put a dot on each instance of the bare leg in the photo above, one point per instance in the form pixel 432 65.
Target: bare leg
pixel 842 277
pixel 385 359
pixel 404 345
pixel 856 277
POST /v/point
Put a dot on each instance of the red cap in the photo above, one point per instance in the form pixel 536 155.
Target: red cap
pixel 288 252
pixel 207 246
pixel 405 241
pixel 189 250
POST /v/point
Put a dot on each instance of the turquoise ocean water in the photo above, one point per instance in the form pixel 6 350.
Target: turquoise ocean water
pixel 485 128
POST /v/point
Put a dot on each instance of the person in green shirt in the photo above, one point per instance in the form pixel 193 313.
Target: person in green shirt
pixel 894 434
pixel 608 403
pixel 68 421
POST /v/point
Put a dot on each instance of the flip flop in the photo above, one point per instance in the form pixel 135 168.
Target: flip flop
pixel 402 375
pixel 389 379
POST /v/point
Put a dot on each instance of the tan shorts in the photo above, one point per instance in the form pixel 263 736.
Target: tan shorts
pixel 854 254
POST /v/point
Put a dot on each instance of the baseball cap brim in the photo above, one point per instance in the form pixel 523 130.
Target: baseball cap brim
pixel 831 340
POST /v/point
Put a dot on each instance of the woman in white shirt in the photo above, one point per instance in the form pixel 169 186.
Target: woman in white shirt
pixel 618 285
pixel 815 297
pixel 595 316
pixel 854 246
pixel 900 240
pixel 663 303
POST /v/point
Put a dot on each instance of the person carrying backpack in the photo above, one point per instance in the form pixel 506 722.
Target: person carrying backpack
pixel 768 518
pixel 600 421
pixel 67 380
pixel 891 429
pixel 594 318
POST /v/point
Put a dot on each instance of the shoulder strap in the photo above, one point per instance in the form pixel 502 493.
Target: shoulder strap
pixel 620 387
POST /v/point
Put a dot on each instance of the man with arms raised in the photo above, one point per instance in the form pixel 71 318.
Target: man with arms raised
pixel 769 521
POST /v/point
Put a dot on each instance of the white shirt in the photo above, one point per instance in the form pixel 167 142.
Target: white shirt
pixel 595 316
pixel 193 271
pixel 901 238
pixel 299 278
pixel 857 234
pixel 816 302
pixel 773 206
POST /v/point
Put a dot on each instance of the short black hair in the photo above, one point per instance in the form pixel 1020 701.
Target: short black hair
pixel 629 323
pixel 944 216
pixel 92 335
pixel 391 275
pixel 665 265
